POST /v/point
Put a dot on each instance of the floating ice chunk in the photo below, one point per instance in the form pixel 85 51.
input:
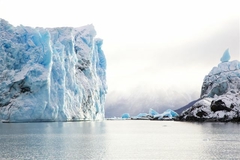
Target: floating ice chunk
pixel 168 114
pixel 171 112
pixel 125 116
pixel 153 112
pixel 226 56
pixel 142 116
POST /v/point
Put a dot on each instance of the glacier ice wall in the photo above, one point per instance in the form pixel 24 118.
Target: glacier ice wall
pixel 51 74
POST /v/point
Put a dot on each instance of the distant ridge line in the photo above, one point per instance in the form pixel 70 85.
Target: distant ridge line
pixel 180 110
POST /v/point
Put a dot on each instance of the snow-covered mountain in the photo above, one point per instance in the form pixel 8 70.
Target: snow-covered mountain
pixel 220 94
pixel 51 74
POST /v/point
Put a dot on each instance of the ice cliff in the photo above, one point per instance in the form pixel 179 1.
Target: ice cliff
pixel 220 94
pixel 51 74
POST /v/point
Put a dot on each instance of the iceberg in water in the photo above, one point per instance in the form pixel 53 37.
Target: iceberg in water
pixel 152 112
pixel 51 74
pixel 143 116
pixel 154 115
pixel 125 116
pixel 168 114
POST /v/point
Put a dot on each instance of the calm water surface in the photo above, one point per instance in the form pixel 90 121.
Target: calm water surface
pixel 127 139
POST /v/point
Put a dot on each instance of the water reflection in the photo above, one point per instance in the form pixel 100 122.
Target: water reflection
pixel 221 140
pixel 82 140
pixel 120 140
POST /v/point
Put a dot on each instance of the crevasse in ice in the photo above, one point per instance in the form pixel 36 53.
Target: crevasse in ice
pixel 51 74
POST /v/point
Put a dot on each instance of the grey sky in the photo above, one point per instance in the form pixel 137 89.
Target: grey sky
pixel 158 52
pixel 169 76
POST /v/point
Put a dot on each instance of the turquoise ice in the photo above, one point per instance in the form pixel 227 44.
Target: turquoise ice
pixel 226 56
pixel 152 112
pixel 51 74
pixel 125 115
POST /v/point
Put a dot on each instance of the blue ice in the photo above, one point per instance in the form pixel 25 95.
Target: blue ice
pixel 51 74
pixel 226 56
pixel 125 116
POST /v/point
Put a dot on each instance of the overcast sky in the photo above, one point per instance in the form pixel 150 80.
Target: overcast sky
pixel 158 52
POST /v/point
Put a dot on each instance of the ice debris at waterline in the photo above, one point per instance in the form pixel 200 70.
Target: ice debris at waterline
pixel 168 114
pixel 142 116
pixel 220 95
pixel 51 74
pixel 125 116
pixel 154 115
pixel 152 112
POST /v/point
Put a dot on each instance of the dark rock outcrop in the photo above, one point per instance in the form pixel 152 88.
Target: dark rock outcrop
pixel 219 105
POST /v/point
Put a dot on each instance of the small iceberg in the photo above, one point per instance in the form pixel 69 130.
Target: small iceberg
pixel 142 116
pixel 166 115
pixel 126 116
pixel 152 112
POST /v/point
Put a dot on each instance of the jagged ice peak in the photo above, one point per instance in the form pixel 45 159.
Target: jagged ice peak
pixel 226 56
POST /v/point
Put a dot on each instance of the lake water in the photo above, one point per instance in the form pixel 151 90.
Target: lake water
pixel 126 139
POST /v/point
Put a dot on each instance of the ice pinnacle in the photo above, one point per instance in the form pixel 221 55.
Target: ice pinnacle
pixel 226 56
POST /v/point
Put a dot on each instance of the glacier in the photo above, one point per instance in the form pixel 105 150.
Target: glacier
pixel 220 94
pixel 51 74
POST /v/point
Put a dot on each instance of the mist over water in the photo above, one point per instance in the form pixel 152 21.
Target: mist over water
pixel 159 76
pixel 142 98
